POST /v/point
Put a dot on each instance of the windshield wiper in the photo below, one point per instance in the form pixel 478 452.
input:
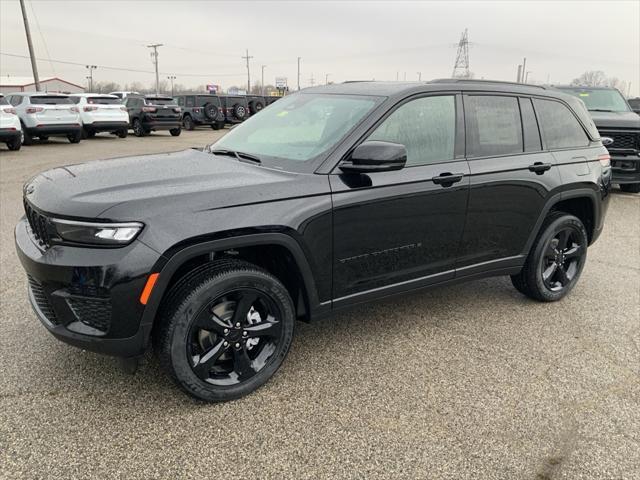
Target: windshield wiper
pixel 239 155
pixel 600 110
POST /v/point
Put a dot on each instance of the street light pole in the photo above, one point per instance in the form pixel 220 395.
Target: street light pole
pixel 299 58
pixel 326 78
pixel 34 67
pixel 262 79
pixel 91 68
pixel 171 78
pixel 419 76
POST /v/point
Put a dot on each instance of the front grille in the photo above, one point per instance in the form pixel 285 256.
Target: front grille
pixel 623 140
pixel 94 312
pixel 39 225
pixel 41 300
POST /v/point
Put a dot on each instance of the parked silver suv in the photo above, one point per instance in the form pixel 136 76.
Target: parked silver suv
pixel 44 114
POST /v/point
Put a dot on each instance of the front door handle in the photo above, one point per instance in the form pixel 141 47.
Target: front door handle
pixel 447 179
pixel 539 168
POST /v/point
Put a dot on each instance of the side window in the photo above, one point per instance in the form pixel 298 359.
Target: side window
pixel 15 100
pixel 190 102
pixel 530 126
pixel 180 101
pixel 425 126
pixel 559 126
pixel 493 125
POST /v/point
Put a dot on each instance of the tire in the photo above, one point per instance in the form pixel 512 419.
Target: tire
pixel 189 332
pixel 175 132
pixel 138 130
pixel 210 111
pixel 91 133
pixel 239 111
pixel 122 133
pixel 556 259
pixel 630 187
pixel 187 122
pixel 43 138
pixel 215 126
pixel 15 143
pixel 257 106
pixel 75 137
pixel 27 139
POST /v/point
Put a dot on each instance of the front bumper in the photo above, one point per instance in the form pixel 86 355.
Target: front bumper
pixel 8 134
pixel 106 126
pixel 625 168
pixel 88 297
pixel 59 129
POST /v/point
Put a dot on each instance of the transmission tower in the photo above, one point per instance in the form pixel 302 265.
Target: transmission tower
pixel 461 67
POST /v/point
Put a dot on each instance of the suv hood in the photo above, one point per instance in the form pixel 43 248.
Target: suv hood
pixel 624 120
pixel 135 188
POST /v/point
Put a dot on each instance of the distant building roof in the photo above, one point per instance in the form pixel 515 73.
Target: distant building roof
pixel 11 81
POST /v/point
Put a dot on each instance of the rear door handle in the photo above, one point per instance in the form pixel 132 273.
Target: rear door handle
pixel 539 168
pixel 447 179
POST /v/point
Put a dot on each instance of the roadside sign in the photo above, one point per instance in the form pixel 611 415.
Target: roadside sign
pixel 213 88
pixel 281 82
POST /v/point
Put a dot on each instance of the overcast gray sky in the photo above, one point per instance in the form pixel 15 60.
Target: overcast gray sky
pixel 204 40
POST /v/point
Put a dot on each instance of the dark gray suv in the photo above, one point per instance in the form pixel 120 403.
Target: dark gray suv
pixel 201 110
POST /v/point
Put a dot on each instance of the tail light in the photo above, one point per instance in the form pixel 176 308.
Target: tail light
pixel 34 109
pixel 149 109
pixel 123 108
pixel 177 109
pixel 75 109
pixel 196 110
pixel 9 110
pixel 605 159
pixel 89 109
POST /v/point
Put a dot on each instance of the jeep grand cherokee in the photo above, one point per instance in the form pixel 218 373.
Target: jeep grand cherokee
pixel 334 196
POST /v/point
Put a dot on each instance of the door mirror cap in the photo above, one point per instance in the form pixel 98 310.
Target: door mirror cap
pixel 606 141
pixel 376 156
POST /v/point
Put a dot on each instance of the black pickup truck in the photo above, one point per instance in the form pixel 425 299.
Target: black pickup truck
pixel 615 119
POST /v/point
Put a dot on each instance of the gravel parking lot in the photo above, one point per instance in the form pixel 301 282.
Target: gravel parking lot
pixel 466 382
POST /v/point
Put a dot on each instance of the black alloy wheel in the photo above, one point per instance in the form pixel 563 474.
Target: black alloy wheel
pixel 187 122
pixel 138 131
pixel 234 337
pixel 561 260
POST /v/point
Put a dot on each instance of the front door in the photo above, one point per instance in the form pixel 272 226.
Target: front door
pixel 402 229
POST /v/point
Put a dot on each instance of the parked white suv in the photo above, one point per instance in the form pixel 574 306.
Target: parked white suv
pixel 101 113
pixel 44 114
pixel 10 129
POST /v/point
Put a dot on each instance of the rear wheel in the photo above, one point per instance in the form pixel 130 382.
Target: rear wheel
pixel 630 187
pixel 15 143
pixel 44 138
pixel 27 139
pixel 122 133
pixel 175 132
pixel 187 122
pixel 225 330
pixel 138 131
pixel 556 260
pixel 75 137
pixel 215 126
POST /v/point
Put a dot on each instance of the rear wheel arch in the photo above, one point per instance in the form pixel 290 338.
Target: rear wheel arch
pixel 277 253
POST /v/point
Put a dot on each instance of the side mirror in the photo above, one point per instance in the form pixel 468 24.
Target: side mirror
pixel 606 141
pixel 375 156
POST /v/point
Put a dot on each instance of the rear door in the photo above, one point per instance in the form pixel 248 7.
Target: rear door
pixel 511 180
pixel 105 109
pixel 401 229
pixel 52 109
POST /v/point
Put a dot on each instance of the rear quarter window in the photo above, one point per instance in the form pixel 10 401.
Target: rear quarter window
pixel 560 128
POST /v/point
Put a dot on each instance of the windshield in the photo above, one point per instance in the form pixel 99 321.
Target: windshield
pixel 600 99
pixel 50 100
pixel 299 127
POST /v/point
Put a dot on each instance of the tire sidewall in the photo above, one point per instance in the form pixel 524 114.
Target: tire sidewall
pixel 549 233
pixel 205 293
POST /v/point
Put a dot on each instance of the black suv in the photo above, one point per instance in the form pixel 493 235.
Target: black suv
pixel 235 107
pixel 336 196
pixel 152 112
pixel 201 110
pixel 619 126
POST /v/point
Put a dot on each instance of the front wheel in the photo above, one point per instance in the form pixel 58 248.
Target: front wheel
pixel 630 187
pixel 175 132
pixel 225 329
pixel 556 260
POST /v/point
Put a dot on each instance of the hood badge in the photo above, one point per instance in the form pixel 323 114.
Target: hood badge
pixel 29 189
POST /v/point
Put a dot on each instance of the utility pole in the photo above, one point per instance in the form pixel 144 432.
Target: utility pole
pixel 419 76
pixel 91 68
pixel 526 77
pixel 154 59
pixel 326 78
pixel 299 58
pixel 262 79
pixel 524 69
pixel 519 76
pixel 34 67
pixel 171 78
pixel 247 57
pixel 312 81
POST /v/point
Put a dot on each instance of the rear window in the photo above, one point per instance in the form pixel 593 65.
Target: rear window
pixel 50 100
pixel 201 101
pixel 159 101
pixel 3 101
pixel 103 100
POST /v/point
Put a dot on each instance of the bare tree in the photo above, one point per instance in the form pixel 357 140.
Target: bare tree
pixel 592 78
pixel 106 87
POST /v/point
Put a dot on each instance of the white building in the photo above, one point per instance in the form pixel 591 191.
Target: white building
pixel 9 84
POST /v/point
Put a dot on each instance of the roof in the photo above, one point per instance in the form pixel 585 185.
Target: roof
pixel 11 81
pixel 388 89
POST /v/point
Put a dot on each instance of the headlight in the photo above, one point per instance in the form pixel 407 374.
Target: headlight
pixel 97 233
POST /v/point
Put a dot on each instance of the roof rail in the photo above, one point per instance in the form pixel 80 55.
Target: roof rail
pixel 471 80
